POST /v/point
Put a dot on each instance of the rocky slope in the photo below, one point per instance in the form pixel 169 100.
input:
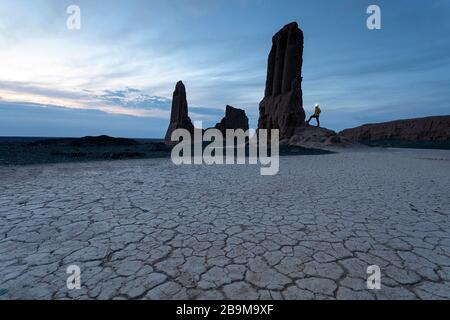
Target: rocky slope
pixel 307 136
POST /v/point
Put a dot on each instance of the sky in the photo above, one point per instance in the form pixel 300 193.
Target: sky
pixel 116 74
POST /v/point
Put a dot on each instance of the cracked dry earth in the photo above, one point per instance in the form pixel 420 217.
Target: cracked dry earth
pixel 146 229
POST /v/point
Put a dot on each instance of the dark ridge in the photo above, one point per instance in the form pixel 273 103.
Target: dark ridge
pixel 86 142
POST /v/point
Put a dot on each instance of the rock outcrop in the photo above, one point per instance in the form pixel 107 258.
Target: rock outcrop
pixel 179 118
pixel 234 119
pixel 307 136
pixel 420 129
pixel 282 106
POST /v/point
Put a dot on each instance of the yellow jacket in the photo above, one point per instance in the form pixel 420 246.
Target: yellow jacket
pixel 317 112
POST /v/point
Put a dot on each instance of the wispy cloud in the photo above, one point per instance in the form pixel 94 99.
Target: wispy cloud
pixel 126 102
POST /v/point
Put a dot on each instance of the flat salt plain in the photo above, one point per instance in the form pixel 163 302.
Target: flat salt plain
pixel 146 229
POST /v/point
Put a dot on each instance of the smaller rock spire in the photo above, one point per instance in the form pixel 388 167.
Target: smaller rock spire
pixel 179 118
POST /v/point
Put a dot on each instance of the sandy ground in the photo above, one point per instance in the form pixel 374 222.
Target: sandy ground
pixel 146 229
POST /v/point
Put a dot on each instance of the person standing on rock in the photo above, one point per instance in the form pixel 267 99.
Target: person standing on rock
pixel 316 115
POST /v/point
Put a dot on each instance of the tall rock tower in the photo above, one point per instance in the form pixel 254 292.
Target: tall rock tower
pixel 179 118
pixel 282 106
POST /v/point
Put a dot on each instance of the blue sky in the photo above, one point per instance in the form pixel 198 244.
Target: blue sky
pixel 116 75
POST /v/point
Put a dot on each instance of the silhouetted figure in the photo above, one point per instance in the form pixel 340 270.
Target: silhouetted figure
pixel 316 115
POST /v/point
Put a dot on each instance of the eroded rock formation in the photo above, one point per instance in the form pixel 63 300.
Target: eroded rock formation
pixel 234 119
pixel 318 138
pixel 420 129
pixel 179 118
pixel 282 106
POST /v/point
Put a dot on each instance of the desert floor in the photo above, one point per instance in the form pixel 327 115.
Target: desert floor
pixel 146 229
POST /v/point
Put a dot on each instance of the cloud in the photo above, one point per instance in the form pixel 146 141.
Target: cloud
pixel 132 103
pixel 27 119
pixel 127 102
pixel 134 99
